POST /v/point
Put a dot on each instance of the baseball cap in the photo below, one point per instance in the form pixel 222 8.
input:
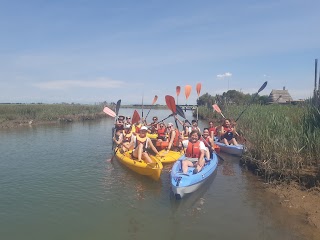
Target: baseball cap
pixel 127 126
pixel 144 128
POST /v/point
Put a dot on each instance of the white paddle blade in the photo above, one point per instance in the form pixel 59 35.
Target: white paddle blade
pixel 109 112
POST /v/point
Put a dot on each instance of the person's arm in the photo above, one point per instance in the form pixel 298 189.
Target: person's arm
pixel 118 142
pixel 175 117
pixel 152 146
pixel 173 135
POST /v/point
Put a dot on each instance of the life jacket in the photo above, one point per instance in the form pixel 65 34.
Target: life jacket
pixel 162 132
pixel 227 129
pixel 176 138
pixel 214 130
pixel 138 128
pixel 206 141
pixel 143 141
pixel 193 150
pixel 126 136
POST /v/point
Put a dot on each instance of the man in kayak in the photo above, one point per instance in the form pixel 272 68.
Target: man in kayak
pixel 226 133
pixel 142 143
pixel 195 150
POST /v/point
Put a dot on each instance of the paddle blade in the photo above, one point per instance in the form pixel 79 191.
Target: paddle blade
pixel 171 103
pixel 187 91
pixel 180 112
pixel 198 88
pixel 109 112
pixel 136 117
pixel 178 89
pixel 118 106
pixel 154 99
pixel 263 86
pixel 216 108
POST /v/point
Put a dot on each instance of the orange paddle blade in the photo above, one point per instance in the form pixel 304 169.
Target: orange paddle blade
pixel 216 108
pixel 154 99
pixel 171 103
pixel 136 117
pixel 109 112
pixel 198 88
pixel 187 91
pixel 178 88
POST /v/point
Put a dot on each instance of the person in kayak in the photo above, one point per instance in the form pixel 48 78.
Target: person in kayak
pixel 125 139
pixel 186 128
pixel 153 126
pixel 226 133
pixel 195 150
pixel 142 143
pixel 212 130
pixel 208 142
pixel 174 138
pixel 194 125
pixel 162 132
pixel 120 123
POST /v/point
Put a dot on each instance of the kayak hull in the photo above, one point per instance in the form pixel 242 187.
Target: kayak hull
pixel 152 170
pixel 183 184
pixel 236 150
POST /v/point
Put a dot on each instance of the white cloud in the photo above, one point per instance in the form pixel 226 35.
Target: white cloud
pixel 224 75
pixel 65 84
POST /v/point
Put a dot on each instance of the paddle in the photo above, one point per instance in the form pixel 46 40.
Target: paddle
pixel 173 107
pixel 178 89
pixel 218 110
pixel 109 112
pixel 260 89
pixel 198 88
pixel 187 91
pixel 115 120
pixel 153 102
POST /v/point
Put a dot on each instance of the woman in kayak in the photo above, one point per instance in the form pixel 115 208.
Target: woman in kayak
pixel 195 150
pixel 174 138
pixel 227 132
pixel 142 143
pixel 125 139
pixel 208 142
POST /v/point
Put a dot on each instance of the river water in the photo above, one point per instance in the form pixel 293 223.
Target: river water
pixel 56 183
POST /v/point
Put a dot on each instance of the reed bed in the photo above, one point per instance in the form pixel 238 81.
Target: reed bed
pixel 282 140
pixel 48 112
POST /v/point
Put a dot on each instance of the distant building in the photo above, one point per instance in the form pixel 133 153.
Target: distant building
pixel 279 96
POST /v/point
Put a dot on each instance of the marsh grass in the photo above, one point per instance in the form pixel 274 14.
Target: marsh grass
pixel 48 112
pixel 283 141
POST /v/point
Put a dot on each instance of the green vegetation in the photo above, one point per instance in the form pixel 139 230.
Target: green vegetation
pixel 48 112
pixel 282 140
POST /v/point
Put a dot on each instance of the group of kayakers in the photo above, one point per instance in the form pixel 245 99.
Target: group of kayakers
pixel 141 136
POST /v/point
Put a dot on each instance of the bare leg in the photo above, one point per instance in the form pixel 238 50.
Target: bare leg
pixel 185 165
pixel 137 152
pixel 146 157
pixel 200 164
pixel 225 141
pixel 207 153
pixel 234 141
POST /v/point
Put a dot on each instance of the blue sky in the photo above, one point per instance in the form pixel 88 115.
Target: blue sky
pixel 93 51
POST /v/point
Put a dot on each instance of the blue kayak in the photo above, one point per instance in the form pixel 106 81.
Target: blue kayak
pixel 182 184
pixel 236 150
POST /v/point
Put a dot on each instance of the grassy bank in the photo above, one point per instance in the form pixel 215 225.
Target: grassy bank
pixel 283 140
pixel 24 113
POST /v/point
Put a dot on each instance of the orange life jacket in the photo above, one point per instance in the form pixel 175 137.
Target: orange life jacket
pixel 162 132
pixel 176 138
pixel 193 150
pixel 126 136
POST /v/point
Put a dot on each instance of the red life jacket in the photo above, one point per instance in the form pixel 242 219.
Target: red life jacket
pixel 193 150
pixel 176 138
pixel 214 130
pixel 138 128
pixel 229 129
pixel 206 142
pixel 162 132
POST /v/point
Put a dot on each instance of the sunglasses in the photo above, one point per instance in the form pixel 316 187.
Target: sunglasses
pixel 128 118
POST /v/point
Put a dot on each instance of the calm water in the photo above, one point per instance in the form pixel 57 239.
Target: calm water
pixel 56 183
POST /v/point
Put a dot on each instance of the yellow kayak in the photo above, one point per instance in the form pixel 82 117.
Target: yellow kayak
pixel 167 157
pixel 152 170
pixel 152 136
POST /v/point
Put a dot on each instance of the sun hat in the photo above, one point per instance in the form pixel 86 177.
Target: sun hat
pixel 144 128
